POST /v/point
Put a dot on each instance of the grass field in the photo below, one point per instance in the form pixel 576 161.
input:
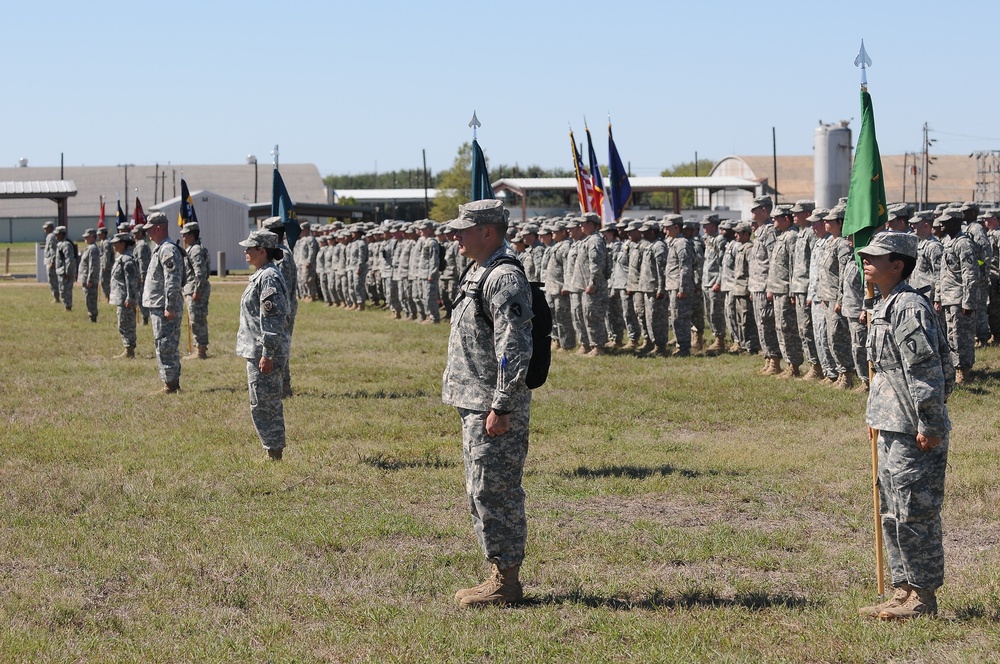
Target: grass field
pixel 679 510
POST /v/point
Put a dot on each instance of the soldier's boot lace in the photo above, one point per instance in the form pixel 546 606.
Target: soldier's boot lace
pixel 815 373
pixel 475 590
pixel 503 588
pixel 844 382
pixel 774 367
pixel 899 596
pixel 920 603
pixel 791 371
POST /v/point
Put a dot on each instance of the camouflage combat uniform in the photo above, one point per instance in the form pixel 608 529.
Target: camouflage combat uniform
pixel 162 293
pixel 958 290
pixel 488 358
pixel 678 278
pixel 66 271
pixel 107 260
pixel 143 255
pixel 197 269
pixel 779 287
pixel 711 284
pixel 555 286
pixel 125 294
pixel 802 256
pixel 592 263
pixel 49 255
pixel 762 245
pixel 852 303
pixel 90 277
pixel 907 396
pixel 838 335
pixel 263 332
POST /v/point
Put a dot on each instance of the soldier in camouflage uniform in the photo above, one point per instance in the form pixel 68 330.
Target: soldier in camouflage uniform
pixel 746 327
pixel 760 263
pixel 906 405
pixel 634 308
pixel 306 249
pixel 125 291
pixel 727 229
pixel 711 282
pixel 779 290
pixel 691 231
pixel 107 259
pixel 143 255
pixel 592 265
pixel 836 255
pixel 66 267
pixel 616 285
pixel 852 307
pixel 823 240
pixel 564 334
pixel 90 270
pixel 197 288
pixel 290 273
pixel 430 253
pixel 958 293
pixel 991 220
pixel 802 256
pixel 488 355
pixel 49 256
pixel 262 339
pixel 652 284
pixel 575 283
pixel 984 255
pixel 678 282
pixel 162 296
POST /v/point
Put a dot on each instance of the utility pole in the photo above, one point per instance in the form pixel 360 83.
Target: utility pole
pixel 156 182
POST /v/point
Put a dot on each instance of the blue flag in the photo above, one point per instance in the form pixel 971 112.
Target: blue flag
pixel 481 187
pixel 120 216
pixel 282 206
pixel 602 204
pixel 186 211
pixel 621 188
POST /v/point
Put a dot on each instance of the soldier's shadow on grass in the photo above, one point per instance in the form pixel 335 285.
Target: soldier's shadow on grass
pixel 978 611
pixel 635 472
pixel 660 600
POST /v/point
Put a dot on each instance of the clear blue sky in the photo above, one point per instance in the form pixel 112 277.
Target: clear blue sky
pixel 348 85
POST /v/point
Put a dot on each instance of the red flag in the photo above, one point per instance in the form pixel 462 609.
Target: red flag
pixel 100 221
pixel 138 216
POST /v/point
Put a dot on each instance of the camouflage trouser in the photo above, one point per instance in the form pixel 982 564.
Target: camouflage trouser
pixel 392 295
pixel 360 294
pixel 166 340
pixel 286 373
pixel 859 348
pixel 639 306
pixel 417 295
pixel 266 409
pixel 90 295
pixel 838 338
pixel 680 320
pixel 430 297
pixel 982 307
pixel 767 333
pixel 993 308
pixel 961 336
pixel 447 300
pixel 595 311
pixel 579 320
pixel 697 311
pixel 198 312
pixel 911 492
pixel 730 310
pixel 66 292
pixel 340 287
pixel 615 320
pixel 494 467
pixel 632 326
pixel 352 286
pixel 822 343
pixel 715 311
pixel 326 286
pixel 789 341
pixel 746 326
pixel 406 298
pixel 803 315
pixel 126 325
pixel 562 317
pixel 54 282
pixel 106 284
pixel 657 313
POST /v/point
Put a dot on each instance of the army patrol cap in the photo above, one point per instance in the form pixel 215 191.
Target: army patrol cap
pixel 49 224
pixel 88 232
pixel 155 219
pixel 762 201
pixel 272 223
pixel 991 213
pixel 592 218
pixel 899 211
pixel 921 216
pixel 190 227
pixel 726 225
pixel 709 219
pixel 951 214
pixel 530 228
pixel 60 229
pixel 123 237
pixel 102 229
pixel 571 223
pixel 782 211
pixel 673 220
pixel 818 214
pixel 891 242
pixel 480 213
pixel 264 239
pixel 305 225
pixel 803 206
pixel 743 227
pixel 691 224
pixel 836 214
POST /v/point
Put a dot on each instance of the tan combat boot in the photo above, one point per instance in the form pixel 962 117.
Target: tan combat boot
pixel 699 343
pixel 766 370
pixel 862 387
pixel 128 353
pixel 961 376
pixel 504 587
pixel 583 349
pixel 791 371
pixel 815 373
pixel 716 347
pixel 845 382
pixel 774 368
pixel 735 348
pixel 475 590
pixel 595 351
pixel 171 387
pixel 199 353
pixel 901 594
pixel 920 603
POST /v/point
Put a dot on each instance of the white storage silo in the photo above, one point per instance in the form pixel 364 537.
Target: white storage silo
pixel 831 162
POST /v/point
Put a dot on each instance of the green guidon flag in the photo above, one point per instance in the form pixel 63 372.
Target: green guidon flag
pixel 866 205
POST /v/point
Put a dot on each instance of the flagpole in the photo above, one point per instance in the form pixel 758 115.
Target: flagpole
pixel 864 62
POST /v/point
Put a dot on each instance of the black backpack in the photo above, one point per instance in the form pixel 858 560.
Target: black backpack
pixel 442 259
pixel 541 323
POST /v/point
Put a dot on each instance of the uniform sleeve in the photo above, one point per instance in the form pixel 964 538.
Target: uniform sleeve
pixel 199 262
pixel 970 275
pixel 510 308
pixel 173 269
pixel 915 333
pixel 273 315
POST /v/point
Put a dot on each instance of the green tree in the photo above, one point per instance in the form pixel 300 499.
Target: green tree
pixel 663 200
pixel 454 186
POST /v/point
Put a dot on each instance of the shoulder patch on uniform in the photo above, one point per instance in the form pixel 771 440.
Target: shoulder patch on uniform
pixel 914 346
pixel 268 292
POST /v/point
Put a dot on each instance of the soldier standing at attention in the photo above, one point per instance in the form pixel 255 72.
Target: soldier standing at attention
pixel 262 339
pixel 90 272
pixel 802 257
pixel 906 405
pixel 488 353
pixel 711 283
pixel 760 263
pixel 125 292
pixel 678 282
pixel 49 255
pixel 197 288
pixel 143 255
pixel 779 290
pixel 958 294
pixel 290 273
pixel 107 259
pixel 66 267
pixel 162 296
pixel 593 269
